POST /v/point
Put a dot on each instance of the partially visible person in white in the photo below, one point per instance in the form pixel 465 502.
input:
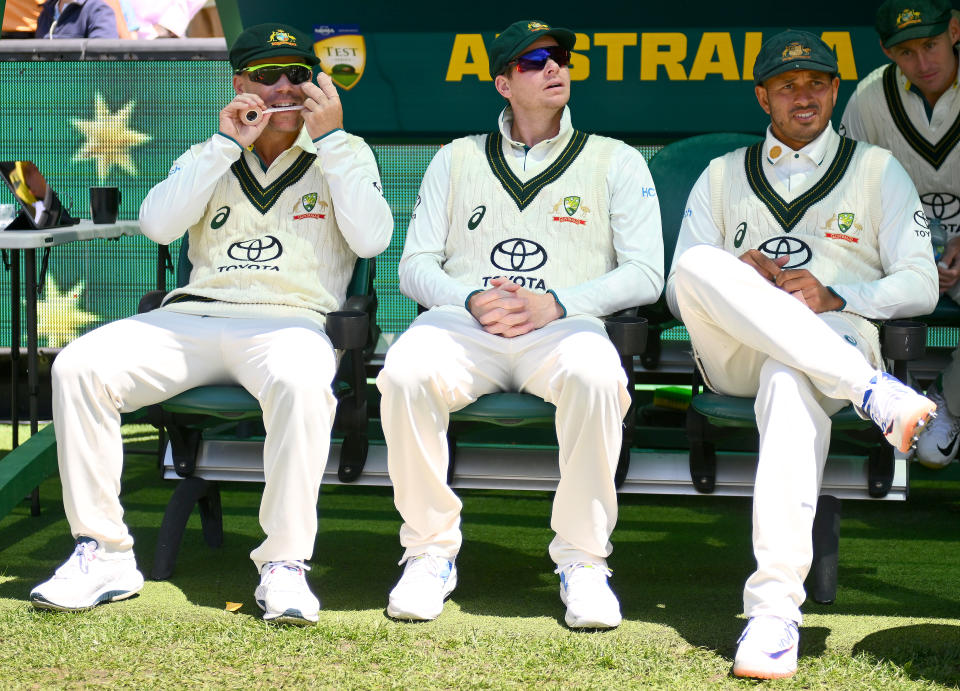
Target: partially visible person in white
pixel 786 251
pixel 912 106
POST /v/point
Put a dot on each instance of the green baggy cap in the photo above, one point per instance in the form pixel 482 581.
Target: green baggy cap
pixel 793 50
pixel 271 40
pixel 511 42
pixel 902 20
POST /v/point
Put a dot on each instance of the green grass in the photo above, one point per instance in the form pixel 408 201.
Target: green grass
pixel 679 567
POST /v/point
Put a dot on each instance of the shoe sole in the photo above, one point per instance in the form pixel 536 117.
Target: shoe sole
pixel 757 674
pixel 402 615
pixel 914 429
pixel 290 616
pixel 599 626
pixel 103 598
pixel 293 617
pixel 592 623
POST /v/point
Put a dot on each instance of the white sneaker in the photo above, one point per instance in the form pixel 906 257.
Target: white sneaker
pixel 899 411
pixel 585 591
pixel 88 578
pixel 419 594
pixel 938 446
pixel 284 596
pixel 767 649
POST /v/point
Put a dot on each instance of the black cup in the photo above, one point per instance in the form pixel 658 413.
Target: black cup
pixel 628 333
pixel 104 204
pixel 347 329
pixel 904 339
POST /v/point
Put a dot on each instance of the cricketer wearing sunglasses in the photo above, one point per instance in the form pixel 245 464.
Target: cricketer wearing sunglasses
pixel 520 241
pixel 277 208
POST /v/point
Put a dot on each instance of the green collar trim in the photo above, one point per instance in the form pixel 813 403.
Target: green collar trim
pixel 934 154
pixel 788 215
pixel 263 198
pixel 524 193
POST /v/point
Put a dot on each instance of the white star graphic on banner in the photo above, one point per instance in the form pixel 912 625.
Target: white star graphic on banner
pixel 109 138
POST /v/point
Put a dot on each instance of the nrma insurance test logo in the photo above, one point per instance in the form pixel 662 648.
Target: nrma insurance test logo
pixel 342 52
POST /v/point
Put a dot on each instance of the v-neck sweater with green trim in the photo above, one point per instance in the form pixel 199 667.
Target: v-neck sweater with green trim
pixel 546 232
pixel 268 243
pixel 830 228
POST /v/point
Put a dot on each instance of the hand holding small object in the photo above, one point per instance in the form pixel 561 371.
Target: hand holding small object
pixel 253 115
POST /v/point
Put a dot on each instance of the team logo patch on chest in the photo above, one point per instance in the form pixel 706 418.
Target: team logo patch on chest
pixel 845 221
pixel 305 206
pixel 571 206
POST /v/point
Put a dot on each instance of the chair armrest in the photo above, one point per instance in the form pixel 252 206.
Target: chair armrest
pixel 358 303
pixel 151 300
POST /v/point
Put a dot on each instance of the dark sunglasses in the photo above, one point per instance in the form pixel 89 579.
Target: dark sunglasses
pixel 537 58
pixel 270 74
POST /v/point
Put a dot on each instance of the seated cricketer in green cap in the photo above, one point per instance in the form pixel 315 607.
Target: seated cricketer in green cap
pixel 787 250
pixel 912 107
pixel 277 204
pixel 520 241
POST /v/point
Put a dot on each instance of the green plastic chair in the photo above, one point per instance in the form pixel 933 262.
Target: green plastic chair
pixel 674 170
pixel 230 410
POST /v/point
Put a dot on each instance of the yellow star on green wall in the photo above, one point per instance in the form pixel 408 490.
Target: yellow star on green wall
pixel 109 138
pixel 59 317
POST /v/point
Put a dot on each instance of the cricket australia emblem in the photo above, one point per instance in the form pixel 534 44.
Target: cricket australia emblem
pixel 304 208
pixel 572 206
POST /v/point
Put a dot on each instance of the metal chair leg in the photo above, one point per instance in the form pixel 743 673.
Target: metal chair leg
pixel 189 492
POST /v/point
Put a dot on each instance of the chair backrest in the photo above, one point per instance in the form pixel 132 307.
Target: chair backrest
pixel 676 167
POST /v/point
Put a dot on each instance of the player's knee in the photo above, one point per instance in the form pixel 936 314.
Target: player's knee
pixel 601 373
pixel 774 373
pixel 694 263
pixel 73 363
pixel 303 378
pixel 405 369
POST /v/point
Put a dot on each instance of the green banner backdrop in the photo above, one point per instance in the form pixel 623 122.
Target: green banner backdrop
pixel 411 78
pixel 638 71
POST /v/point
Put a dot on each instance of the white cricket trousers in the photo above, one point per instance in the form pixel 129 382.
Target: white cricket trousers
pixel 444 362
pixel 752 339
pixel 287 363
